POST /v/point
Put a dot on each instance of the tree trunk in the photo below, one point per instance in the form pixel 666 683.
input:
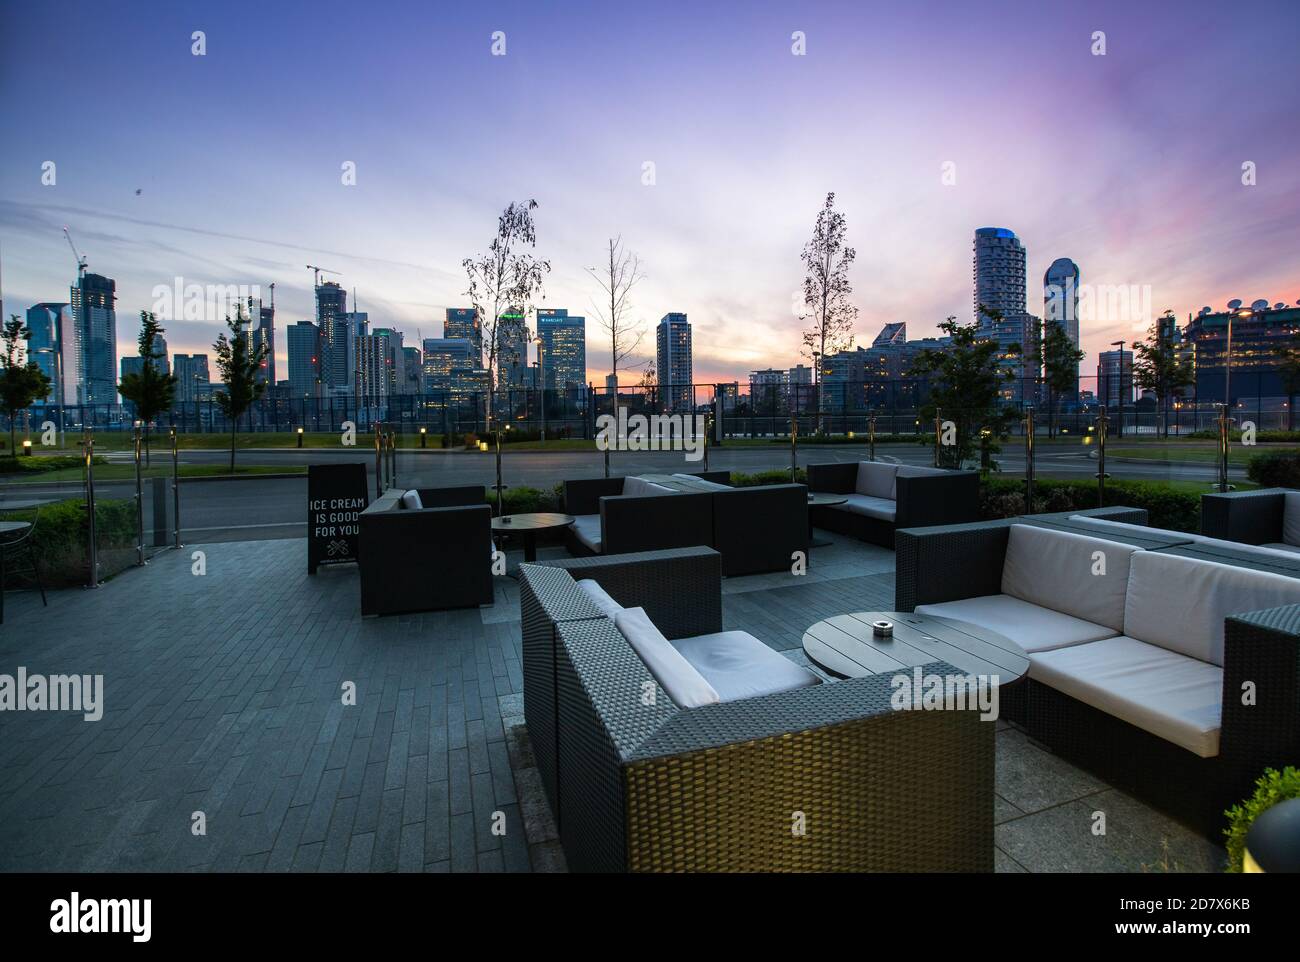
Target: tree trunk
pixel 13 450
pixel 233 426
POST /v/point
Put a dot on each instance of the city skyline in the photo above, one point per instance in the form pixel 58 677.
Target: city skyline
pixel 1145 191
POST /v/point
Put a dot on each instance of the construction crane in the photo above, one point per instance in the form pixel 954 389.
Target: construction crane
pixel 81 261
pixel 319 271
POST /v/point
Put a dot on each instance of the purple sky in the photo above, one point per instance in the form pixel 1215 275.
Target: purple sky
pixel 1129 163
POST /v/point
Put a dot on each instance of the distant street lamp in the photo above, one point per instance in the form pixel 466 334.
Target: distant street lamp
pixel 541 382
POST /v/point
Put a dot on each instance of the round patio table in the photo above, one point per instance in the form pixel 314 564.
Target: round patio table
pixel 529 525
pixel 847 645
pixel 821 499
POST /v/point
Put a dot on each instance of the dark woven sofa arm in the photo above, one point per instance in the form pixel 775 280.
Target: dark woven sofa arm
pixel 679 588
pixel 631 523
pixel 583 496
pixel 452 497
pixel 949 562
pixel 838 478
pixel 760 528
pixel 1261 664
pixel 1253 517
pixel 1116 512
pixel 949 498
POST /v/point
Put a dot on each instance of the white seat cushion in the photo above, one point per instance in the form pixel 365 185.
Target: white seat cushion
pixel 881 508
pixel 876 479
pixel 1032 627
pixel 1061 570
pixel 1162 692
pixel 1280 548
pixel 599 597
pixel 738 665
pixel 411 499
pixel 639 487
pixel 683 684
pixel 1291 518
pixel 1180 603
pixel 586 528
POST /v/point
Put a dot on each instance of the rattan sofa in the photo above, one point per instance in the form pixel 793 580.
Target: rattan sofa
pixel 756 529
pixel 637 783
pixel 883 497
pixel 427 559
pixel 1208 716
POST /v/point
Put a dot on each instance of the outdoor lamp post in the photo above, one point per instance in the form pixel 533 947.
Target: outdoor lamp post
pixel 541 383
pixel 424 436
pixel 1119 423
pixel 300 437
pixel 499 486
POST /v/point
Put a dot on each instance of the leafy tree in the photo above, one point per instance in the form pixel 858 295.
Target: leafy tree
pixel 826 288
pixel 1158 368
pixel 506 277
pixel 150 390
pixel 966 382
pixel 617 277
pixel 240 364
pixel 22 382
pixel 1060 360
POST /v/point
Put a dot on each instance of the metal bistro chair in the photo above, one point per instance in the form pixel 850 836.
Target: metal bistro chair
pixel 16 542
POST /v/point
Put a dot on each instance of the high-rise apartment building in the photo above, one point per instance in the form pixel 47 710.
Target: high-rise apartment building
pixel 1061 303
pixel 462 323
pixel 999 273
pixel 1115 378
pixel 52 329
pixel 263 335
pixel 512 349
pixel 331 308
pixel 673 363
pixel 192 377
pixel 304 342
pixel 412 373
pixel 95 320
pixel 564 348
pixel 442 355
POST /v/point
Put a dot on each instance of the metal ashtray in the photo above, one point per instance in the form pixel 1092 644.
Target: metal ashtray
pixel 506 519
pixel 882 629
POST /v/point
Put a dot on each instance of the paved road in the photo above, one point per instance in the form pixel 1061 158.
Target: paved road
pixel 276 507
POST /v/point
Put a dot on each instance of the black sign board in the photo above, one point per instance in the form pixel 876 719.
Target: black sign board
pixel 336 494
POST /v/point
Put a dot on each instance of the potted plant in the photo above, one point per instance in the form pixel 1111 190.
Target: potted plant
pixel 1272 788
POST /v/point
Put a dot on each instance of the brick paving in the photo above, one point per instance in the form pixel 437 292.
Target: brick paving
pixel 224 693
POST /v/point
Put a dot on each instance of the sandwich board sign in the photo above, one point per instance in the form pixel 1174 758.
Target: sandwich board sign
pixel 336 494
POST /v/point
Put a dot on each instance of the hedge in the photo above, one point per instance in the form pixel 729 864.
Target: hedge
pixel 1275 470
pixel 59 542
pixel 1166 507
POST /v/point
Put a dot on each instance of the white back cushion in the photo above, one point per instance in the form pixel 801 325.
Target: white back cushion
pixel 876 479
pixel 1063 571
pixel 599 597
pixel 1291 518
pixel 412 500
pixel 1180 603
pixel 684 685
pixel 640 487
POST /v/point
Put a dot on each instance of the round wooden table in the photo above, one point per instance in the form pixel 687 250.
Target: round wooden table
pixel 821 499
pixel 529 525
pixel 846 645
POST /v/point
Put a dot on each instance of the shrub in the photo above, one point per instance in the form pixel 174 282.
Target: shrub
pixel 1279 469
pixel 40 463
pixel 1272 787
pixel 740 479
pixel 526 500
pixel 59 542
pixel 1166 507
pixel 471 441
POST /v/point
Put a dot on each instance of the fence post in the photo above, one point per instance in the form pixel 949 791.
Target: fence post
pixel 379 458
pixel 1224 421
pixel 1029 459
pixel 139 496
pixel 176 485
pixel 1102 422
pixel 938 432
pixel 88 453
pixel 871 435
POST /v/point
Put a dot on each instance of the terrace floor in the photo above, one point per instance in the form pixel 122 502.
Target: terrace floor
pixel 223 696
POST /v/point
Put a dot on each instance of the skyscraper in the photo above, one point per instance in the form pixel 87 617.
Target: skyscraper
pixel 1115 379
pixel 192 377
pixel 564 348
pixel 95 321
pixel 512 349
pixel 442 355
pixel 412 379
pixel 52 331
pixel 304 359
pixel 463 323
pixel 264 335
pixel 331 306
pixel 673 365
pixel 1000 285
pixel 1061 303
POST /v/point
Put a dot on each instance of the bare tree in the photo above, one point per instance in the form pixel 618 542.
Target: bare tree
pixel 506 277
pixel 826 289
pixel 617 277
